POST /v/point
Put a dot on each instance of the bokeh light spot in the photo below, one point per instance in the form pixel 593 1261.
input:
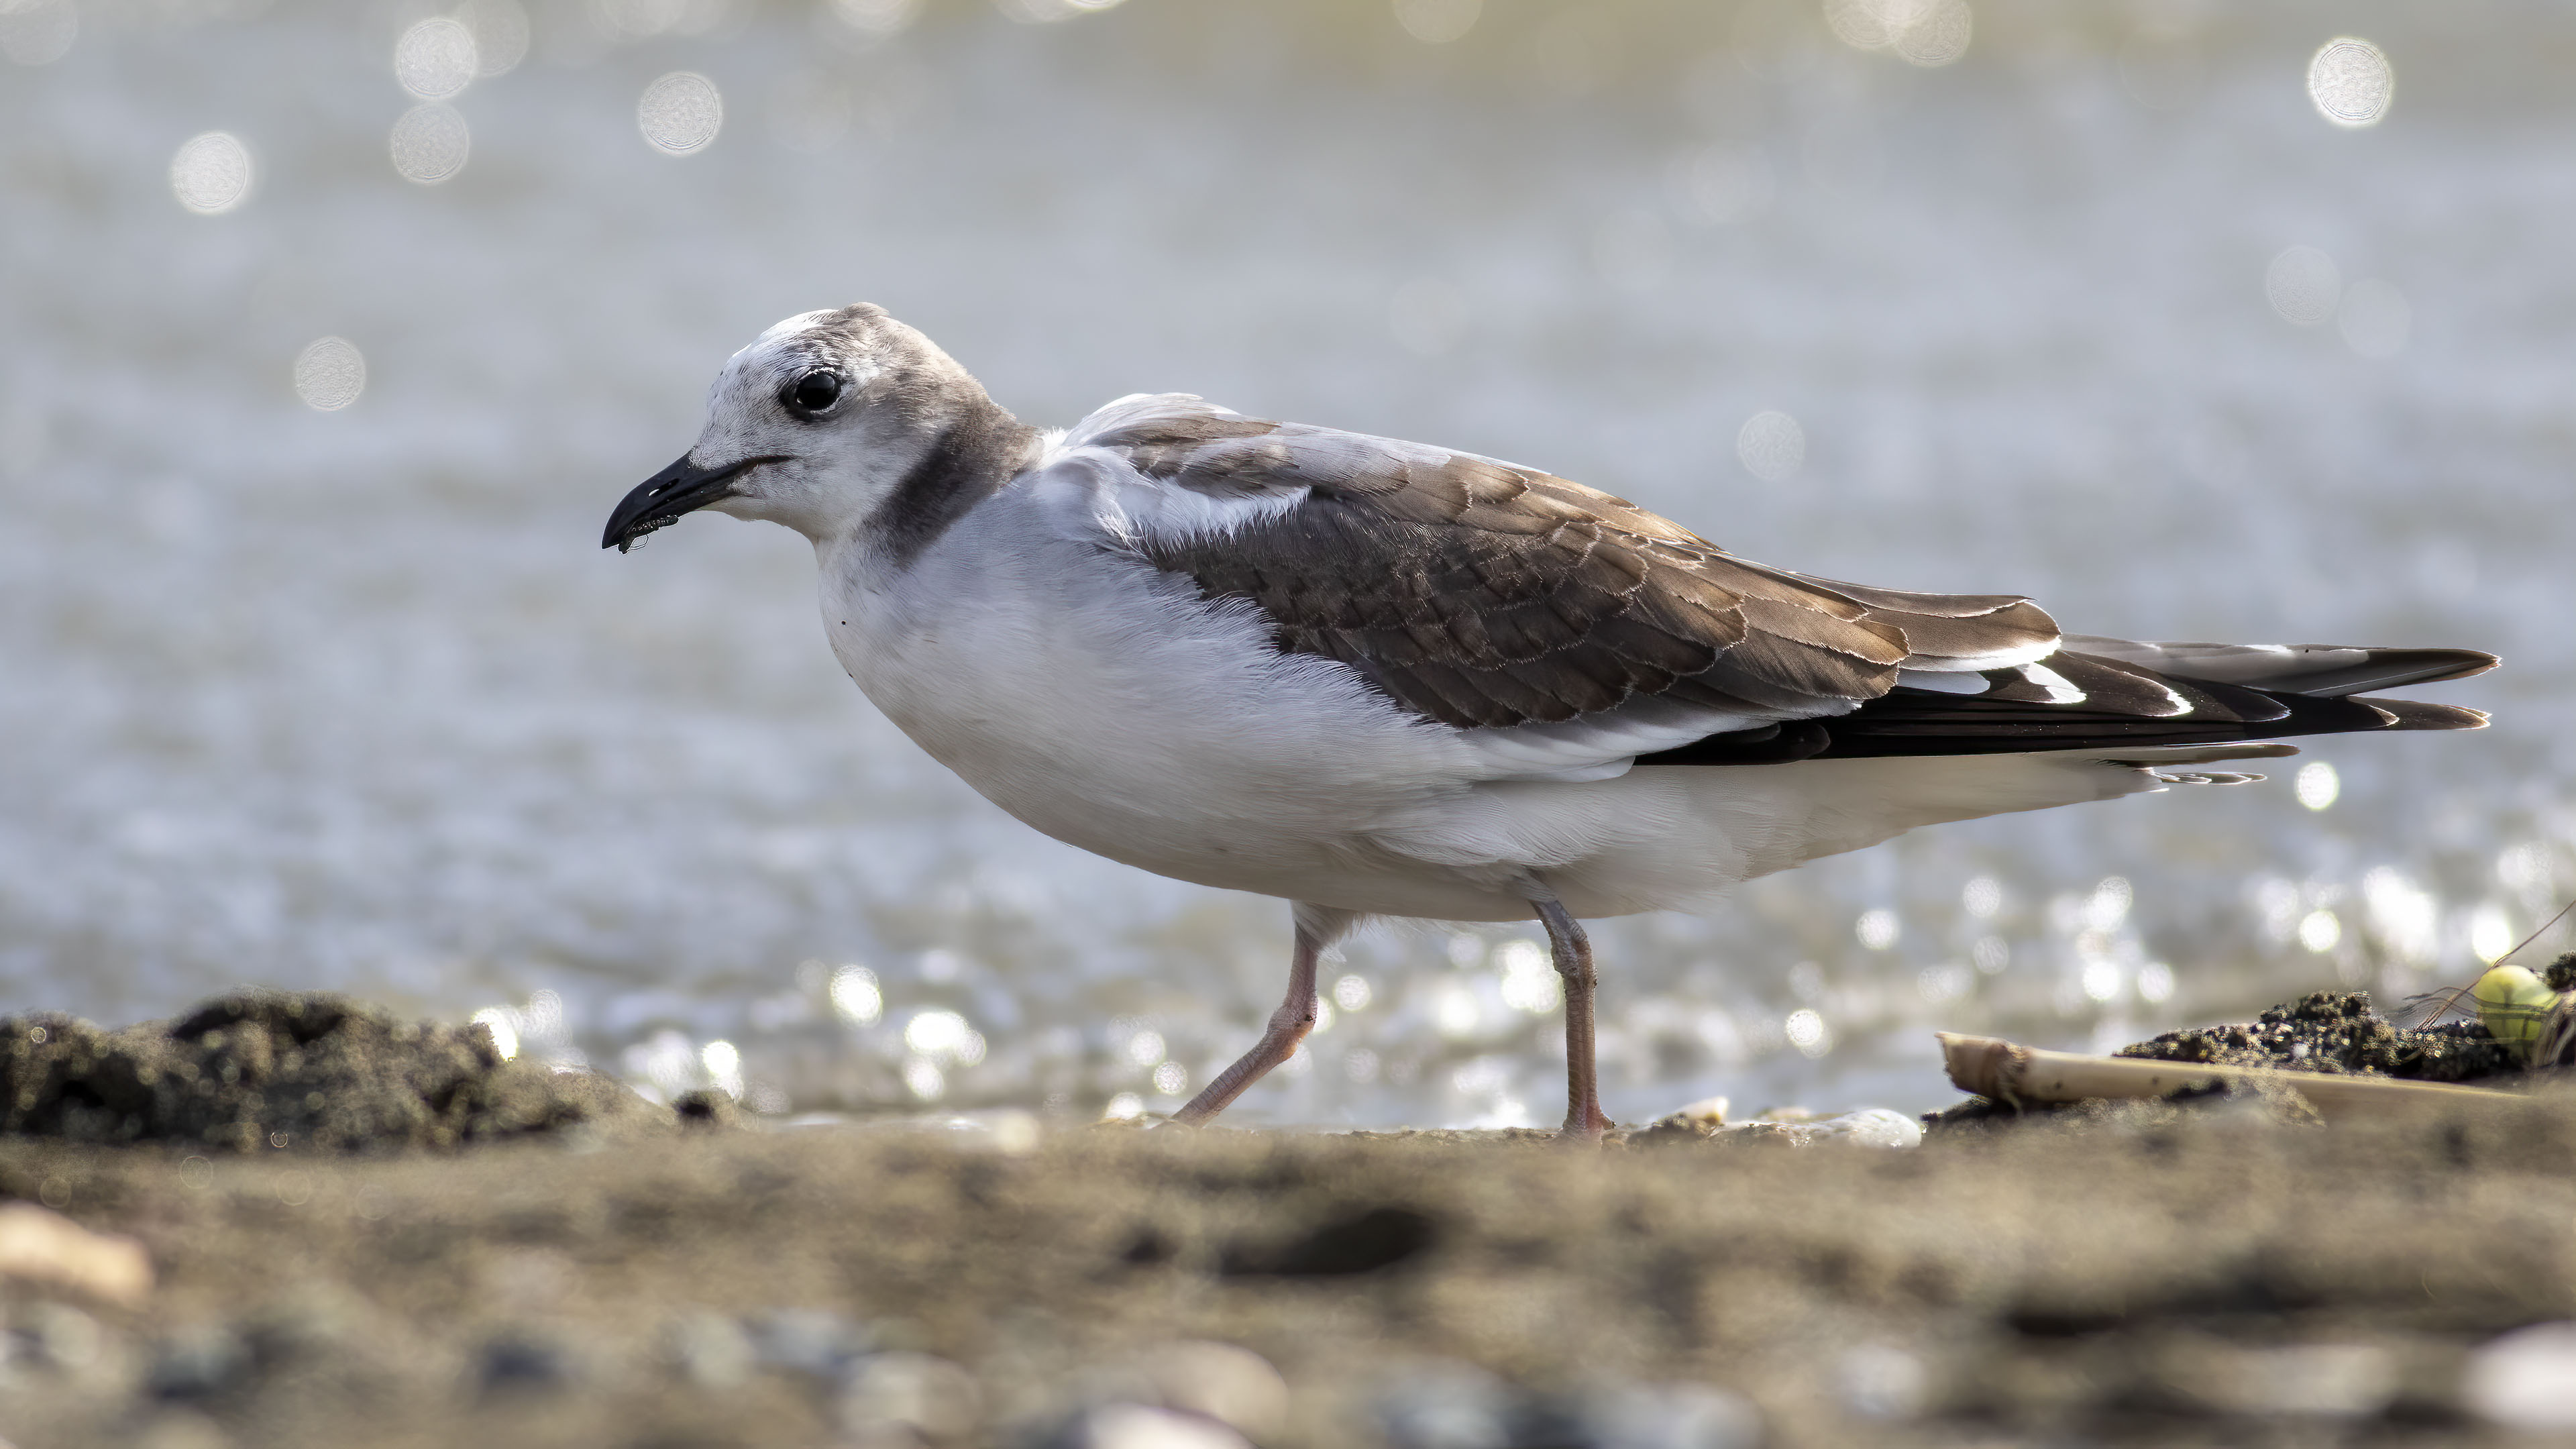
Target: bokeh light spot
pixel 1726 182
pixel 2351 82
pixel 1943 983
pixel 211 173
pixel 1934 34
pixel 430 143
pixel 1920 32
pixel 2303 285
pixel 1982 897
pixel 1530 981
pixel 436 58
pixel 1352 993
pixel 1771 446
pixel 330 373
pixel 2490 932
pixel 640 19
pixel 2108 906
pixel 1047 12
pixel 680 113
pixel 875 19
pixel 2524 867
pixel 1878 929
pixel 924 1080
pixel 2155 982
pixel 723 1062
pixel 937 1033
pixel 2317 785
pixel 499 1021
pixel 855 996
pixel 2101 979
pixel 1807 1031
pixel 1454 1009
pixel 1171 1079
pixel 1437 22
pixel 38 32
pixel 1145 1048
pixel 500 31
pixel 2320 931
pixel 2374 319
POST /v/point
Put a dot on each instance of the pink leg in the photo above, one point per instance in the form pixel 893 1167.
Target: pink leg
pixel 1584 1118
pixel 1317 928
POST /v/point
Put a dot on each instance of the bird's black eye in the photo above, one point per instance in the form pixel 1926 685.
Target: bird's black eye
pixel 812 393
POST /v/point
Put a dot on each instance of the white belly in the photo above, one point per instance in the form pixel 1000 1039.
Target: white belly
pixel 1124 716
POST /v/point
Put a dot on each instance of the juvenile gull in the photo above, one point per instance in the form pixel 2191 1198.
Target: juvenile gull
pixel 1382 678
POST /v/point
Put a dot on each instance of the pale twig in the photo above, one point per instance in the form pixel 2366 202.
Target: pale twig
pixel 1992 1067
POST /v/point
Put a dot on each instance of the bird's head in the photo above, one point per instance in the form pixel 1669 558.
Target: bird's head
pixel 818 425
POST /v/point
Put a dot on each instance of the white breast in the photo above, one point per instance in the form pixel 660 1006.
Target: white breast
pixel 1106 704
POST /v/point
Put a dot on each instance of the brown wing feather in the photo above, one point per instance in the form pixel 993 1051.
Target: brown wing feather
pixel 1479 593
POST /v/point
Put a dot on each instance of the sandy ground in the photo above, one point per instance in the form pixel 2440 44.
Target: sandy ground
pixel 2220 1273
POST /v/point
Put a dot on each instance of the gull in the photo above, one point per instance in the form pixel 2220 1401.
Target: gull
pixel 1380 678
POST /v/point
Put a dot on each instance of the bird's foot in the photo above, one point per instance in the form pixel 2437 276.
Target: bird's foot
pixel 1586 1123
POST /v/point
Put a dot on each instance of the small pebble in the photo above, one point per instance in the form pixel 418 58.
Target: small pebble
pixel 197 1363
pixel 182 1429
pixel 911 1391
pixel 54 1336
pixel 310 1325
pixel 1867 1127
pixel 1142 1426
pixel 1233 1386
pixel 709 1350
pixel 707 1108
pixel 1670 1416
pixel 1446 1405
pixel 1882 1381
pixel 815 1341
pixel 1698 1119
pixel 524 1363
pixel 2525 1379
pixel 2317 1380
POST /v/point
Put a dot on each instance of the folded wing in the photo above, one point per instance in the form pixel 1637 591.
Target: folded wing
pixel 1496 598
pixel 1485 595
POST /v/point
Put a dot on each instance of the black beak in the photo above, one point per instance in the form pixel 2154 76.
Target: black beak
pixel 662 498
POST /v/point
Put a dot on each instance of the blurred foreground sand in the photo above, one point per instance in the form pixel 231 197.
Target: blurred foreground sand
pixel 2205 1276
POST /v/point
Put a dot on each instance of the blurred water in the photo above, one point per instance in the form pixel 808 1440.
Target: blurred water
pixel 350 697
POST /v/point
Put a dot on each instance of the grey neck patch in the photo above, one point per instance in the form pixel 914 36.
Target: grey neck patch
pixel 969 461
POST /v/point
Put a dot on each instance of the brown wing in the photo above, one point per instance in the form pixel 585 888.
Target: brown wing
pixel 1479 593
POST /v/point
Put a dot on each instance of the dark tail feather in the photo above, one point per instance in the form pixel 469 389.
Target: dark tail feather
pixel 2125 706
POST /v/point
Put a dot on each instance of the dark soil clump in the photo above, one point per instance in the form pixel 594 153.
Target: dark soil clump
pixel 264 1069
pixel 2337 1031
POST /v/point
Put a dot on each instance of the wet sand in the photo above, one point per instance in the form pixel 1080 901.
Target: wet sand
pixel 2214 1273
